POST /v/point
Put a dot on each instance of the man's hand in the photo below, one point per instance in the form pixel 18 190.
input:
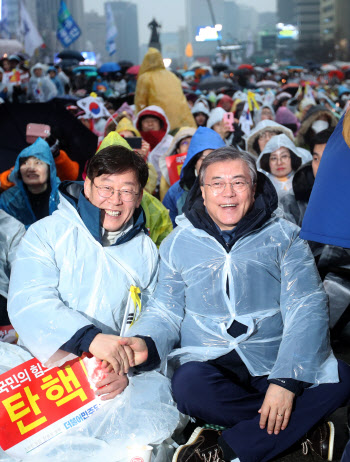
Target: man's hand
pixel 111 386
pixel 276 409
pixel 138 347
pixel 109 348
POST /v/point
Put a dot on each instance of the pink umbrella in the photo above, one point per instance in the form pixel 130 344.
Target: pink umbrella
pixel 133 70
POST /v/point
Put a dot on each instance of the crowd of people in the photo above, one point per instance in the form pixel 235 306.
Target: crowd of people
pixel 192 206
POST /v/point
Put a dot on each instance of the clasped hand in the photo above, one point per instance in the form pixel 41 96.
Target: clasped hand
pixel 119 352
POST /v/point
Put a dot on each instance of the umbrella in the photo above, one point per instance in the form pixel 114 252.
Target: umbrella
pixel 220 67
pixel 109 67
pixel 267 84
pixel 328 67
pixel 259 69
pixel 133 70
pixel 339 74
pixel 10 46
pixel 117 101
pixel 71 54
pixel 68 63
pixel 195 65
pixel 249 67
pixel 291 88
pixel 77 140
pixel 125 64
pixel 89 71
pixel 310 83
pixel 214 83
pixel 84 69
pixel 188 74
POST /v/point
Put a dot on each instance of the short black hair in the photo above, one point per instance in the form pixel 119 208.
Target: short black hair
pixel 265 161
pixel 117 159
pixel 321 138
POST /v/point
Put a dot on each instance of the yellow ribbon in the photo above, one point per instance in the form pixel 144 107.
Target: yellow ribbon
pixel 251 101
pixel 135 297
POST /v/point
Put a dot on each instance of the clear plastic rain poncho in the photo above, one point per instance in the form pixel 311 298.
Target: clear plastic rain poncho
pixel 284 185
pixel 274 289
pixel 11 232
pixel 62 280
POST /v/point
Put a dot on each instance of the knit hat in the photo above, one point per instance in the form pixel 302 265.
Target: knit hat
pixel 285 116
pixel 216 116
pixel 200 107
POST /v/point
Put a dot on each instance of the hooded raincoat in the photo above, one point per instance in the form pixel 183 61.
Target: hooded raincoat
pixel 333 262
pixel 164 144
pixel 41 89
pixel 327 218
pixel 11 232
pixel 63 280
pixel 314 113
pixel 204 138
pixel 266 280
pixel 156 86
pixel 282 185
pixel 158 222
pixel 71 284
pixel 265 125
pixel 15 201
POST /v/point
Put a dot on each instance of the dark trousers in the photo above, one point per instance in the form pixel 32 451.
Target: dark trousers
pixel 202 390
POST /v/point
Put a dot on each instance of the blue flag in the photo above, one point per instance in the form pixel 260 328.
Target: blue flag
pixel 68 30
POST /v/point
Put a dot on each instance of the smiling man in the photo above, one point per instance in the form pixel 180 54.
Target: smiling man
pixel 76 274
pixel 240 313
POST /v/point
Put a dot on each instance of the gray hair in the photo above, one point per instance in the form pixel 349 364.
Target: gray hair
pixel 228 153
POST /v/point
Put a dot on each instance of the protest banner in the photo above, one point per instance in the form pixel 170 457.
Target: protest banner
pixel 38 403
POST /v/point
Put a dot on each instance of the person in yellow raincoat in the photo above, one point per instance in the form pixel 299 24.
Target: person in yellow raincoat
pixel 158 221
pixel 160 87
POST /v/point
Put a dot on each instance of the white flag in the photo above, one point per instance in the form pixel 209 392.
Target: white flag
pixel 111 30
pixel 30 35
pixel 245 121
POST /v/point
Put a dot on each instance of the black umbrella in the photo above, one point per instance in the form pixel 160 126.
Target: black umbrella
pixel 71 54
pixel 125 64
pixel 220 67
pixel 68 63
pixel 214 83
pixel 78 141
pixel 119 100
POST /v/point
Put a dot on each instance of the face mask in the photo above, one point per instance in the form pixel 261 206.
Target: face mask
pixel 345 97
pixel 319 126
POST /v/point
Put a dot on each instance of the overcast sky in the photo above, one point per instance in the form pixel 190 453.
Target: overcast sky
pixel 169 13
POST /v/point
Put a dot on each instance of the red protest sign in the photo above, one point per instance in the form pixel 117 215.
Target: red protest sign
pixel 174 165
pixel 37 403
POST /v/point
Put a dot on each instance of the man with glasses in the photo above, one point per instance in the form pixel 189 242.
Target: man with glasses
pixel 77 273
pixel 240 313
